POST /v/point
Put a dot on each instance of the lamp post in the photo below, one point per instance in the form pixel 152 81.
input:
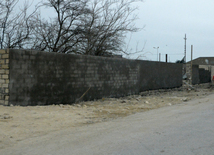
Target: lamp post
pixel 157 51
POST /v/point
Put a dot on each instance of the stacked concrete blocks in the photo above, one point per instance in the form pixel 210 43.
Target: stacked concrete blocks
pixel 43 78
pixel 4 77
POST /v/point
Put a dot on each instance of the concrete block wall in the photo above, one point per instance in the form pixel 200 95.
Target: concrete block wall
pixel 51 78
pixel 4 77
pixel 159 75
pixel 205 72
pixel 200 73
pixel 195 74
pixel 204 75
pixel 42 78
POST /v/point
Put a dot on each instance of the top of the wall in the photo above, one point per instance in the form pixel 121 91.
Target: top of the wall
pixel 35 52
pixel 53 54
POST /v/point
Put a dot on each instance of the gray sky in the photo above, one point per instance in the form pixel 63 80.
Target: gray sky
pixel 167 21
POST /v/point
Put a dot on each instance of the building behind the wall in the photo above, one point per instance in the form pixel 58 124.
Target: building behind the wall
pixel 203 61
pixel 205 67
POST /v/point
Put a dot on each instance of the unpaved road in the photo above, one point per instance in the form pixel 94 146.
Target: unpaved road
pixel 186 128
pixel 69 129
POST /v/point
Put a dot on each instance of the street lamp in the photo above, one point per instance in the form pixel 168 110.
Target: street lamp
pixel 157 51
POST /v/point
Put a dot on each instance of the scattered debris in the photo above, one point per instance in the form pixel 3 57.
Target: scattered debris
pixel 80 99
pixel 189 85
pixel 5 116
pixel 39 120
pixel 147 102
pixel 185 99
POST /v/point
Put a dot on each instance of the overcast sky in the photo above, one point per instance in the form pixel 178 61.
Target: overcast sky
pixel 166 23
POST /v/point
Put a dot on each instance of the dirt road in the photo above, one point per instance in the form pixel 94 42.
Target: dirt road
pixel 19 124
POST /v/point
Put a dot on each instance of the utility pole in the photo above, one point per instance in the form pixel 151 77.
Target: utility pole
pixel 191 64
pixel 185 51
pixel 185 47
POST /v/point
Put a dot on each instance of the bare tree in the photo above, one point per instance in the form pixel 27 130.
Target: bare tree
pixel 106 25
pixel 91 27
pixel 6 7
pixel 60 34
pixel 16 26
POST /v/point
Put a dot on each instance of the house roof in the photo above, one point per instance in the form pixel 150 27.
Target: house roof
pixel 203 61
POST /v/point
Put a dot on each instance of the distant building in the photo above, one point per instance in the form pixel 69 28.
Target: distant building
pixel 205 69
pixel 203 61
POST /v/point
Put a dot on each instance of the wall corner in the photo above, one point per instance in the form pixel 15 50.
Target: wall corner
pixel 4 76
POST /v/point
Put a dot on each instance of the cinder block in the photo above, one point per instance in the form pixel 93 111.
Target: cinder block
pixel 5 85
pixel 5 76
pixel 2 102
pixel 6 90
pixel 34 53
pixel 8 50
pixel 7 61
pixel 26 57
pixel 2 51
pixel 7 71
pixel 2 71
pixel 2 61
pixel 32 57
pixel 6 98
pixel 18 66
pixel 7 81
pixel 5 66
pixel 24 66
pixel 2 81
pixel 5 56
pixel 6 102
